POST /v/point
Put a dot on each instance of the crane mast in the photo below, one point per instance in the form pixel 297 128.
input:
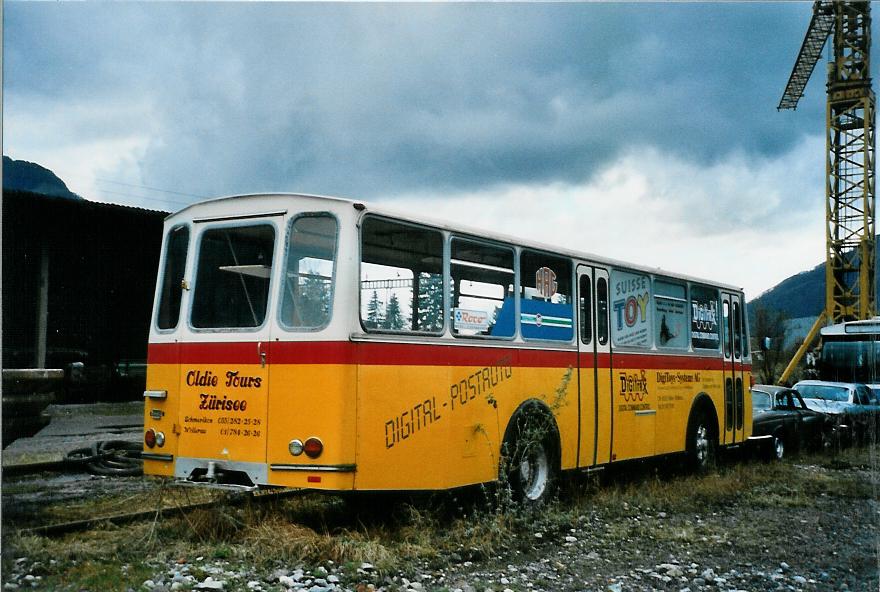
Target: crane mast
pixel 849 140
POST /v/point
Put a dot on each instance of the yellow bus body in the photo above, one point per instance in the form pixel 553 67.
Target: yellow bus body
pixel 404 412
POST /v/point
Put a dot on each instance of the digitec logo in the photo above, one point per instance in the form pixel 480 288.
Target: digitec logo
pixel 633 385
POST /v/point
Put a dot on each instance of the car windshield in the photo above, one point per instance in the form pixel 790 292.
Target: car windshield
pixel 823 391
pixel 761 401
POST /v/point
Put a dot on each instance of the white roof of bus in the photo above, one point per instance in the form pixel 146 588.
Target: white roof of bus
pixel 480 233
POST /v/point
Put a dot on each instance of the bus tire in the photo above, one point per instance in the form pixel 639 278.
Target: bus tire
pixel 702 443
pixel 530 457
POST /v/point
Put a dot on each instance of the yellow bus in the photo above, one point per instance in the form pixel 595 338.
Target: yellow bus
pixel 314 342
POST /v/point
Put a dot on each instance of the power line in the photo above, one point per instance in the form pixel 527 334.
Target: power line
pixel 98 179
pixel 143 197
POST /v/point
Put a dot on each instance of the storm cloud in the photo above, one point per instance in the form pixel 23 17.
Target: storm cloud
pixel 371 100
pixel 646 132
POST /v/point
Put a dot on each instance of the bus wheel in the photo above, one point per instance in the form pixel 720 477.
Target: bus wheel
pixel 701 445
pixel 530 470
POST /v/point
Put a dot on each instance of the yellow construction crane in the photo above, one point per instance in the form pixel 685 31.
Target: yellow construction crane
pixel 849 165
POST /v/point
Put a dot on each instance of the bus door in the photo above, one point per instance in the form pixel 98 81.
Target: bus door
pixel 733 342
pixel 594 368
pixel 224 362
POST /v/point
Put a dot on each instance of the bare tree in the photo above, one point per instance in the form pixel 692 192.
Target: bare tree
pixel 769 330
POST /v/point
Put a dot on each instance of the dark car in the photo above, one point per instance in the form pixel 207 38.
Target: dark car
pixel 782 421
pixel 852 406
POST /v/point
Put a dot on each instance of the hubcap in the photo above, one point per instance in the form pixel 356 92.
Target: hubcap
pixel 534 472
pixel 701 445
pixel 780 448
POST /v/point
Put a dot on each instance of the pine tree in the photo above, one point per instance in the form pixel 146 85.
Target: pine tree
pixel 315 302
pixel 430 302
pixel 393 317
pixel 374 317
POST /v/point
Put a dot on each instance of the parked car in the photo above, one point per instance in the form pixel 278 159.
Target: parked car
pixel 853 406
pixel 782 422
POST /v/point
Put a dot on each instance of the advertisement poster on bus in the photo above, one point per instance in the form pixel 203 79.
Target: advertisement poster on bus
pixel 630 310
pixel 704 318
pixel 671 322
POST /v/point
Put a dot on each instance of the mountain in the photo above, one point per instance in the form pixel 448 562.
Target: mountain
pixel 20 175
pixel 802 295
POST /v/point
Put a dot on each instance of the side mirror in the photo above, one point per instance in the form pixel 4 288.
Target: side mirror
pixel 765 344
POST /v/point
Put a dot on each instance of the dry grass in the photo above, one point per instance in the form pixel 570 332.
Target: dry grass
pixel 390 535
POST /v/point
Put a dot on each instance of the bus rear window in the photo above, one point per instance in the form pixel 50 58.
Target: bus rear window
pixel 232 277
pixel 308 284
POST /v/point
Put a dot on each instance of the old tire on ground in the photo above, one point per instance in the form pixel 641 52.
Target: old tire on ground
pixel 702 444
pixel 530 458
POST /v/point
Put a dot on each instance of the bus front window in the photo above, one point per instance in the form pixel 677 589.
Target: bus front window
pixel 232 277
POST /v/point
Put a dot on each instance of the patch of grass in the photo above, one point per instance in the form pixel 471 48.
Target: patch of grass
pixel 99 576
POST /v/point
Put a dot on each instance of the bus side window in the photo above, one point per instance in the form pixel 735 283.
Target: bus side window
pixel 546 309
pixel 586 304
pixel 172 278
pixel 725 327
pixel 602 311
pixel 737 331
pixel 482 295
pixel 705 333
pixel 401 277
pixel 670 314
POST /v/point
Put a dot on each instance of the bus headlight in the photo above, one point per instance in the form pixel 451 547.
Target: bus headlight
pixel 295 447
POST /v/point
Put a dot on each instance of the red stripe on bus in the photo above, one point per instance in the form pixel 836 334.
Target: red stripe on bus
pixel 400 354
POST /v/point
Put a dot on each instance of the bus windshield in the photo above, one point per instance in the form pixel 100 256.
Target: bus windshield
pixel 850 361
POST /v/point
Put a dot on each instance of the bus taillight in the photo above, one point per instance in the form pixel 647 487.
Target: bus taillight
pixel 313 447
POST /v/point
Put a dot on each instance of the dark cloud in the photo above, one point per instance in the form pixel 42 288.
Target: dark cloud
pixel 370 99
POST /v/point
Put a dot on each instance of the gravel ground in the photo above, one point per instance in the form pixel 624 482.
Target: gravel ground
pixel 830 545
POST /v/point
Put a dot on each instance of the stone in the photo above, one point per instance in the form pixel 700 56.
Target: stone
pixel 211 584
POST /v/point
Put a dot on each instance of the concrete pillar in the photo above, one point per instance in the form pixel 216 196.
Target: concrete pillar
pixel 42 307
